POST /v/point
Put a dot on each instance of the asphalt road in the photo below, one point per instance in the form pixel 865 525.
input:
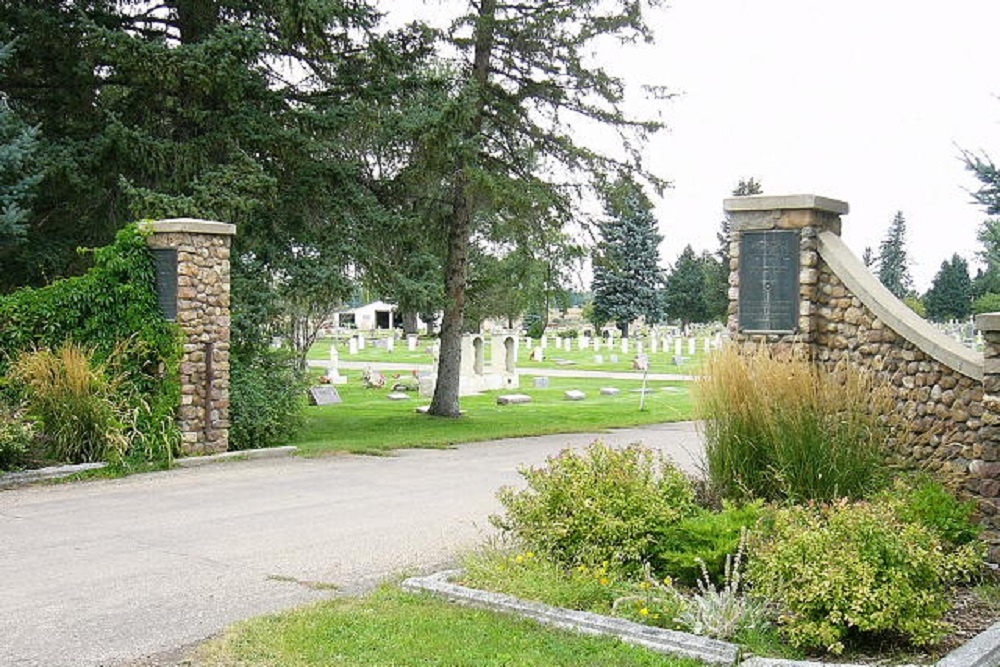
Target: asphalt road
pixel 109 572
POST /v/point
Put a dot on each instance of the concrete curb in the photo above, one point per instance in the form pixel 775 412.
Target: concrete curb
pixel 682 644
pixel 240 455
pixel 53 472
pixel 983 650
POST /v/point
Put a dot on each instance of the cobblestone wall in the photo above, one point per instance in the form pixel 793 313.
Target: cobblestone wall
pixel 846 315
pixel 203 314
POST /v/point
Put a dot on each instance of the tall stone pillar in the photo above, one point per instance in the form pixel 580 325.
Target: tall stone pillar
pixel 984 468
pixel 192 264
pixel 774 266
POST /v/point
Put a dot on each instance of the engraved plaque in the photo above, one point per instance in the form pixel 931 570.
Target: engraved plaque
pixel 165 262
pixel 324 394
pixel 769 281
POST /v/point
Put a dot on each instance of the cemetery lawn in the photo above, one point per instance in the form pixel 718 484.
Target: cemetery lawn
pixel 392 627
pixel 367 422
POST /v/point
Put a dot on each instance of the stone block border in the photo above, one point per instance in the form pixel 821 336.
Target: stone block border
pixel 664 641
pixel 238 455
pixel 983 650
pixel 12 479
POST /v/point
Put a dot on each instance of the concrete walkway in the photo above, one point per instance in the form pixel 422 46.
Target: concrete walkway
pixel 112 571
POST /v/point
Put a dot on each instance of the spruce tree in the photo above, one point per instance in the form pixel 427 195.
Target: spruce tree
pixel 627 281
pixel 950 295
pixel 893 265
pixel 18 172
pixel 684 290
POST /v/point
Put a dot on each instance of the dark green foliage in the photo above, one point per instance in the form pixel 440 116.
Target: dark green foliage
pixel 706 537
pixel 684 290
pixel 598 507
pixel 925 501
pixel 267 400
pixel 950 295
pixel 627 279
pixel 893 263
pixel 18 172
pixel 112 310
pixel 987 303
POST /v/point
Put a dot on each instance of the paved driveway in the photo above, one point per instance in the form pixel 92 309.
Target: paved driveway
pixel 107 572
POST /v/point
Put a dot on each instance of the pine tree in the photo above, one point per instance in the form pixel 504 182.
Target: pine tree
pixel 626 261
pixel 893 265
pixel 950 295
pixel 684 290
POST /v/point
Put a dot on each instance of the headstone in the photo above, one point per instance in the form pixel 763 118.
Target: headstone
pixel 665 344
pixel 333 370
pixel 678 347
pixel 640 363
pixel 624 345
pixel 583 342
pixel 545 341
pixel 541 382
pixel 654 345
pixel 598 358
pixel 411 343
pixel 423 409
pixel 679 360
pixel 597 343
pixel 708 345
pixel 324 394
pixel 692 346
pixel 614 358
pixel 361 342
pixel 610 391
pixel 513 399
pixel 575 395
pixel 352 345
pixel 537 354
pixel 559 342
pixel 638 347
pixel 390 344
pixel 398 396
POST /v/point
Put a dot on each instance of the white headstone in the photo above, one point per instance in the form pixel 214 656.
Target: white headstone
pixel 361 342
pixel 614 358
pixel 678 347
pixel 597 343
pixel 654 345
pixel 538 354
pixel 575 395
pixel 545 341
pixel 624 345
pixel 390 344
pixel 638 347
pixel 583 342
pixel 598 358
pixel 411 343
pixel 559 342
pixel 692 346
pixel 352 345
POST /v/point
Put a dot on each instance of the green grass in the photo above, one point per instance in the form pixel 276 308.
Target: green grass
pixel 367 422
pixel 391 628
pixel 661 362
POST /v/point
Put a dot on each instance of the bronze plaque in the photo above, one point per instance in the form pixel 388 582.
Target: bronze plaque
pixel 165 263
pixel 769 281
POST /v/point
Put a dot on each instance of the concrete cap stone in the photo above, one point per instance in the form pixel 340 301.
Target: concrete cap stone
pixel 190 226
pixel 785 203
pixel 988 322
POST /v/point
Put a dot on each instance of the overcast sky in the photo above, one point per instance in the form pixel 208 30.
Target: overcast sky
pixel 867 101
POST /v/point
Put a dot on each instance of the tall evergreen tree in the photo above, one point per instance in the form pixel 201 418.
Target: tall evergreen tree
pixel 950 294
pixel 504 146
pixel 893 265
pixel 19 172
pixel 626 261
pixel 684 290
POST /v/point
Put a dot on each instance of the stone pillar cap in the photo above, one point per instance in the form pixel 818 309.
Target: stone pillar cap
pixel 988 322
pixel 784 203
pixel 189 226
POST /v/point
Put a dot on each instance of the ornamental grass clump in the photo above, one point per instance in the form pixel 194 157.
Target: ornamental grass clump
pixel 73 399
pixel 602 505
pixel 782 428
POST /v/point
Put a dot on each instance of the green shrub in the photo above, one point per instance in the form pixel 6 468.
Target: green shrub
pixel 786 429
pixel 111 310
pixel 17 433
pixel 852 569
pixel 601 505
pixel 266 400
pixel 925 501
pixel 702 542
pixel 74 401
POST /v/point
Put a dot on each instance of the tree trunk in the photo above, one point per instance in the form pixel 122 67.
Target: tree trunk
pixel 445 401
pixel 409 323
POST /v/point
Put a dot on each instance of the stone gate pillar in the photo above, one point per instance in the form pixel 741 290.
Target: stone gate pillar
pixel 774 266
pixel 984 468
pixel 192 267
